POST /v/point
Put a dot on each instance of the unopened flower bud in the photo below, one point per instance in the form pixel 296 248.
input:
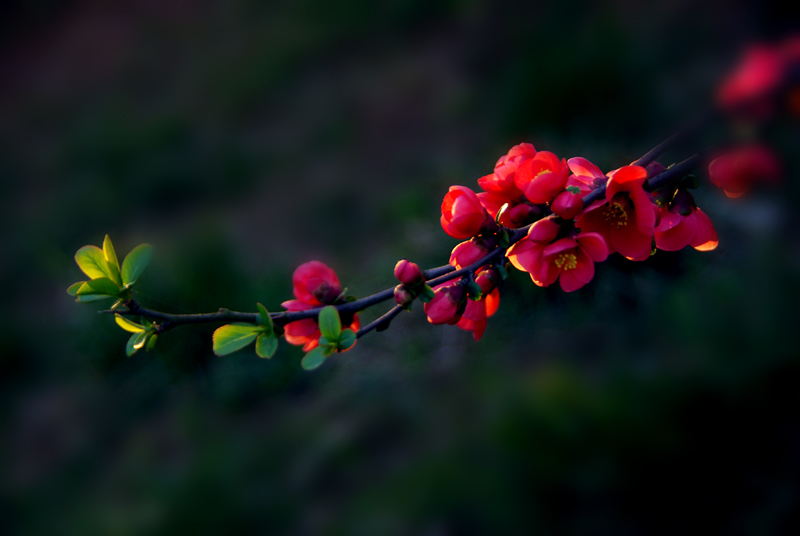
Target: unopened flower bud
pixel 408 273
pixel 403 296
pixel 520 215
pixel 447 305
pixel 488 279
pixel 567 204
pixel 470 251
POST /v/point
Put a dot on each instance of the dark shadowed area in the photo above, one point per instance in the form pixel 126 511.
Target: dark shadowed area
pixel 242 139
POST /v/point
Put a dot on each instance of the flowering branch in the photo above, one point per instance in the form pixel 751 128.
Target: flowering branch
pixel 546 216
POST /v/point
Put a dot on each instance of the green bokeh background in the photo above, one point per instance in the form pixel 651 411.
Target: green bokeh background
pixel 244 138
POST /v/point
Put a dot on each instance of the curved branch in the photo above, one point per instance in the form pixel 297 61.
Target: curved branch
pixel 433 276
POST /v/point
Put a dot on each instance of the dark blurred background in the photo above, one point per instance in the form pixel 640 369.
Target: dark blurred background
pixel 244 138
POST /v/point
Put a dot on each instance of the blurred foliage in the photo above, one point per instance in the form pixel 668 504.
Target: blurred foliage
pixel 243 138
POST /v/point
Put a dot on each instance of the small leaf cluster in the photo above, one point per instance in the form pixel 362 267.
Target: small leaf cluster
pixel 232 337
pixel 108 278
pixel 333 338
pixel 143 335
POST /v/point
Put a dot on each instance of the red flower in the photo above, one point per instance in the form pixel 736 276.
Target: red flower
pixel 737 171
pixel 542 177
pixel 476 313
pixel 627 218
pixel 463 216
pixel 314 285
pixel 500 188
pixel 683 224
pixel 546 257
pixel 448 303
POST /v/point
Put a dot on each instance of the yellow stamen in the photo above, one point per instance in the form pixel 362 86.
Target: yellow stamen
pixel 617 211
pixel 567 261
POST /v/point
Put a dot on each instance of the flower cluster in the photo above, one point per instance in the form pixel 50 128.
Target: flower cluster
pixel 564 238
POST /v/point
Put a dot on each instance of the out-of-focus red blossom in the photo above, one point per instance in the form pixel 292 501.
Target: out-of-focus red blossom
pixel 408 273
pixel 314 285
pixel 738 170
pixel 463 216
pixel 683 224
pixel 546 257
pixel 627 218
pixel 567 204
pixel 762 69
pixel 470 251
pixel 476 313
pixel 759 73
pixel 448 304
pixel 542 177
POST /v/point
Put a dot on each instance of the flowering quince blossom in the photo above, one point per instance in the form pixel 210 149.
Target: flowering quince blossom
pixel 471 251
pixel 738 170
pixel 448 303
pixel 546 257
pixel 683 224
pixel 476 313
pixel 585 175
pixel 542 177
pixel 500 188
pixel 627 218
pixel 463 216
pixel 314 285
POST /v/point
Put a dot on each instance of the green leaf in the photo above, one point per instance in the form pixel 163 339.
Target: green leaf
pixel 232 337
pixel 151 342
pixel 502 271
pixel 92 298
pixel 314 358
pixel 347 339
pixel 264 318
pixel 127 325
pixel 504 239
pixel 329 323
pixel 92 261
pixel 325 343
pixel 101 285
pixel 112 263
pixel 266 345
pixel 474 291
pixel 73 288
pixel 426 294
pixel 574 190
pixel 135 263
pixel 135 343
pixel 109 253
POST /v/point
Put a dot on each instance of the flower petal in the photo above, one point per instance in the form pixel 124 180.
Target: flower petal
pixel 582 167
pixel 706 238
pixel 594 245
